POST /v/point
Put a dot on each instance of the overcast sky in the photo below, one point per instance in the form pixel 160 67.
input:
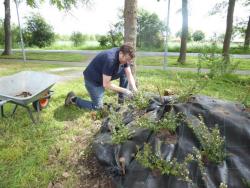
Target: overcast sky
pixel 101 13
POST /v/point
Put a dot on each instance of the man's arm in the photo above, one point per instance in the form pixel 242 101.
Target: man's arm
pixel 131 79
pixel 108 85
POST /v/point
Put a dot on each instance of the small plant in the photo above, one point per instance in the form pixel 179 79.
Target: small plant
pixel 120 133
pixel 146 123
pixel 170 122
pixel 140 100
pixel 191 88
pixel 223 185
pixel 149 160
pixel 212 144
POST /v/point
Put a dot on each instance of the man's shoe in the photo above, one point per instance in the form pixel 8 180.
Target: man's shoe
pixel 68 99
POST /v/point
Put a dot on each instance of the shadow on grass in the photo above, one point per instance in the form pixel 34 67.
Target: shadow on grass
pixel 70 113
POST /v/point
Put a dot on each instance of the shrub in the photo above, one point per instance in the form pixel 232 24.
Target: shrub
pixel 170 122
pixel 103 41
pixel 149 160
pixel 218 65
pixel 120 133
pixel 198 35
pixel 212 144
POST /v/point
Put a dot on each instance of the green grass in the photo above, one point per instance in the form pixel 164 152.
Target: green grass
pixel 29 154
pixel 13 67
pixel 244 64
pixel 195 47
pixel 52 56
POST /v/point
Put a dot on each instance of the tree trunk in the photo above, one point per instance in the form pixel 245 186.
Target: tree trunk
pixel 247 36
pixel 7 29
pixel 184 32
pixel 130 25
pixel 229 29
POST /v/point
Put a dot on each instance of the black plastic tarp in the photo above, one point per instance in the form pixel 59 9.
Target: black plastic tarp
pixel 234 125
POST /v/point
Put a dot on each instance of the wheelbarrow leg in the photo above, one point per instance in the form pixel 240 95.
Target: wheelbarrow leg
pixel 14 110
pixel 31 115
pixel 2 113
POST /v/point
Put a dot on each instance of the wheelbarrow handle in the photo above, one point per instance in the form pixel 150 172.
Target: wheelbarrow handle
pixel 3 102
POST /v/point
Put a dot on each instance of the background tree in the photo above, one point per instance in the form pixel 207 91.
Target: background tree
pixel 7 29
pixel 149 30
pixel 198 35
pixel 103 40
pixel 229 29
pixel 130 25
pixel 184 33
pixel 38 32
pixel 60 4
pixel 115 36
pixel 247 35
pixel 77 38
pixel 1 32
pixel 178 35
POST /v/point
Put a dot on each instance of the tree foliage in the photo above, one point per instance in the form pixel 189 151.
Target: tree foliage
pixel 198 35
pixel 60 4
pixel 114 36
pixel 149 30
pixel 189 38
pixel 37 32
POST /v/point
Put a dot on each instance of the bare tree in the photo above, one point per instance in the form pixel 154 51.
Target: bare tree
pixel 130 25
pixel 247 35
pixel 184 33
pixel 229 29
pixel 7 29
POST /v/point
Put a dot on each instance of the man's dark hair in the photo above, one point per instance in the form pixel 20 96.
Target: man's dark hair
pixel 127 48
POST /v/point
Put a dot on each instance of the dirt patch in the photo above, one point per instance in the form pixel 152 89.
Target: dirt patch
pixel 92 174
pixel 167 137
pixel 79 166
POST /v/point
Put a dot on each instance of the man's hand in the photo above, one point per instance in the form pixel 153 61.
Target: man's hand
pixel 128 93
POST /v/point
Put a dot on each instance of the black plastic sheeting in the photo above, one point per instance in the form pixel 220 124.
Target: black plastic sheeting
pixel 233 122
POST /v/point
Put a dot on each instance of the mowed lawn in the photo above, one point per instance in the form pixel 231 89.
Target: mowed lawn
pixel 191 62
pixel 36 155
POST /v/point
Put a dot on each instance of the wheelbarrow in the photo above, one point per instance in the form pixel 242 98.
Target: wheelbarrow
pixel 24 88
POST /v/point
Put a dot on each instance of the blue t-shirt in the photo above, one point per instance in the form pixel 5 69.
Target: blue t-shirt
pixel 106 62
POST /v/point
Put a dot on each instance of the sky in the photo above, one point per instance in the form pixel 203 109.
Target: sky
pixel 97 17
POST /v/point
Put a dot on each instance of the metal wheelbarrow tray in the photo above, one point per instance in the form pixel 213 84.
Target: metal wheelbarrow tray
pixel 26 87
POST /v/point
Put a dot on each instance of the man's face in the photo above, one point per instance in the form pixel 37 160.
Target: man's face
pixel 125 58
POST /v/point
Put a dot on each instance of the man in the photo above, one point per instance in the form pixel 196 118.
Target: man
pixel 105 67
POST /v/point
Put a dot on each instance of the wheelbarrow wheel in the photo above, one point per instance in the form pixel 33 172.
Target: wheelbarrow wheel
pixel 41 104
